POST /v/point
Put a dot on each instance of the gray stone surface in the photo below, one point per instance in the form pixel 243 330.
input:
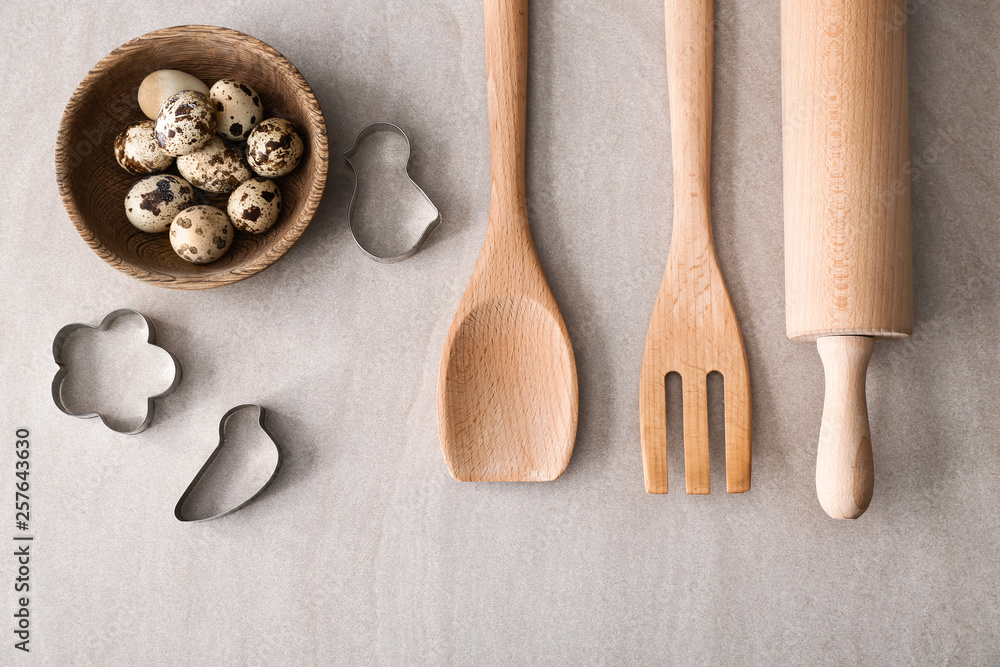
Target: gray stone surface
pixel 365 551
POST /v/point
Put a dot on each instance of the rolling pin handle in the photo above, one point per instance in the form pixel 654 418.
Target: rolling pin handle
pixel 845 473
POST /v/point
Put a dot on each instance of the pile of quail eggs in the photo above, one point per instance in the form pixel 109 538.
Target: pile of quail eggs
pixel 222 144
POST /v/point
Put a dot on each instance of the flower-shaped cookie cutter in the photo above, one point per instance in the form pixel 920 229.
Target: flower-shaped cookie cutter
pixel 367 131
pixel 57 383
pixel 179 509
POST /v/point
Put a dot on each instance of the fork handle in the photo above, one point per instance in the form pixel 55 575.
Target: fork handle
pixel 689 80
pixel 845 472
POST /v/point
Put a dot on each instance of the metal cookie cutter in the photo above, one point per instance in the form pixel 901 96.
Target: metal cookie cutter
pixel 179 509
pixel 57 354
pixel 367 131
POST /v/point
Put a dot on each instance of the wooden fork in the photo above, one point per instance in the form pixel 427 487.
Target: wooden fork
pixel 693 330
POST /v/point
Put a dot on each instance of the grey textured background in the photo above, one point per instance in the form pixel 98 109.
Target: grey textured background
pixel 365 551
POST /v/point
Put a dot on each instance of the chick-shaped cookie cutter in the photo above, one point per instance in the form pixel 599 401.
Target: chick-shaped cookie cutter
pixel 179 509
pixel 367 131
pixel 59 344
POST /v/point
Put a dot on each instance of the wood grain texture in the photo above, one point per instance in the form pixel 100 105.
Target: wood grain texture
pixel 693 329
pixel 848 263
pixel 845 473
pixel 848 258
pixel 507 387
pixel 93 186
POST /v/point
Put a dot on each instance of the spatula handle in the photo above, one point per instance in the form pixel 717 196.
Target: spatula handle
pixel 507 91
pixel 689 79
pixel 845 473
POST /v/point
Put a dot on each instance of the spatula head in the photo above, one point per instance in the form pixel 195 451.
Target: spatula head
pixel 507 389
pixel 507 394
pixel 693 331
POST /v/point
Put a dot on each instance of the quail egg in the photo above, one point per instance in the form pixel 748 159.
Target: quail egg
pixel 153 202
pixel 185 122
pixel 201 234
pixel 215 167
pixel 161 84
pixel 274 148
pixel 137 151
pixel 237 108
pixel 255 205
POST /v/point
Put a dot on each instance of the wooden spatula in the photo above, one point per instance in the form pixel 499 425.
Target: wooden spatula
pixel 507 392
pixel 693 330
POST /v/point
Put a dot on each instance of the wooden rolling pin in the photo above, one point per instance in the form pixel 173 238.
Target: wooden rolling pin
pixel 848 261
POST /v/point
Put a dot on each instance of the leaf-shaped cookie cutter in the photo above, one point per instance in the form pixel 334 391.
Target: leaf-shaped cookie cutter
pixel 57 383
pixel 368 130
pixel 179 509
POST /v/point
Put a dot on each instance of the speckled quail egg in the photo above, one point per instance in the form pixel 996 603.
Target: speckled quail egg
pixel 161 84
pixel 255 205
pixel 137 151
pixel 153 202
pixel 274 148
pixel 201 234
pixel 237 108
pixel 186 122
pixel 215 167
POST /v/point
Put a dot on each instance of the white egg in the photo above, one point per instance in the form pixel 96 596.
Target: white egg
pixel 217 166
pixel 161 84
pixel 238 108
pixel 201 234
pixel 137 151
pixel 186 122
pixel 274 148
pixel 153 202
pixel 255 205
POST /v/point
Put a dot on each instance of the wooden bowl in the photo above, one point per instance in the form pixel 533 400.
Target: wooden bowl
pixel 93 186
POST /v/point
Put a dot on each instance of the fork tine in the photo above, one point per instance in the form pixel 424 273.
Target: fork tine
pixel 738 425
pixel 696 433
pixel 653 421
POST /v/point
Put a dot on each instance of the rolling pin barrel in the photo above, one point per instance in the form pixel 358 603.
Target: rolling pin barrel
pixel 848 260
